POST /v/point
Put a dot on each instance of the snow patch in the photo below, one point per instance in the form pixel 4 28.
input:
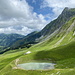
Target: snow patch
pixel 28 52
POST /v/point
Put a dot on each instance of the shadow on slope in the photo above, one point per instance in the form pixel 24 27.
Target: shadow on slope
pixel 57 54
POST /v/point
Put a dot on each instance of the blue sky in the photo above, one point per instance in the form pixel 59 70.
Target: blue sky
pixel 36 4
pixel 26 16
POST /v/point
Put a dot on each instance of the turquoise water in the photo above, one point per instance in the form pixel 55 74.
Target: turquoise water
pixel 36 66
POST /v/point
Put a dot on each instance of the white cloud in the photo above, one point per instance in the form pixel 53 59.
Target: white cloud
pixel 23 31
pixel 15 13
pixel 58 5
pixel 34 1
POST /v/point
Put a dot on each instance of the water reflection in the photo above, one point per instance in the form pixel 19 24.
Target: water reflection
pixel 36 66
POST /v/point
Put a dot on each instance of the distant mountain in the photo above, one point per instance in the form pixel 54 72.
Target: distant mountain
pixel 29 39
pixel 8 39
pixel 36 37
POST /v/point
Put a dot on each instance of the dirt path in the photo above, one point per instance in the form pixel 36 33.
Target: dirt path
pixel 16 63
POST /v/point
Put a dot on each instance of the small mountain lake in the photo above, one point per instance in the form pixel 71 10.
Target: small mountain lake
pixel 36 66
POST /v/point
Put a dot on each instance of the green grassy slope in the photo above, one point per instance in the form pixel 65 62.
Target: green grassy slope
pixel 59 49
pixel 64 36
pixel 64 17
pixel 63 57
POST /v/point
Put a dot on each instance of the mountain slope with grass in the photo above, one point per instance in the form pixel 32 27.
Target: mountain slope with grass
pixel 60 37
pixel 58 48
pixel 64 17
pixel 63 56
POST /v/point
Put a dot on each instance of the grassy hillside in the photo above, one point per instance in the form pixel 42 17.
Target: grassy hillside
pixel 63 36
pixel 35 37
pixel 63 57
pixel 51 50
pixel 58 48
